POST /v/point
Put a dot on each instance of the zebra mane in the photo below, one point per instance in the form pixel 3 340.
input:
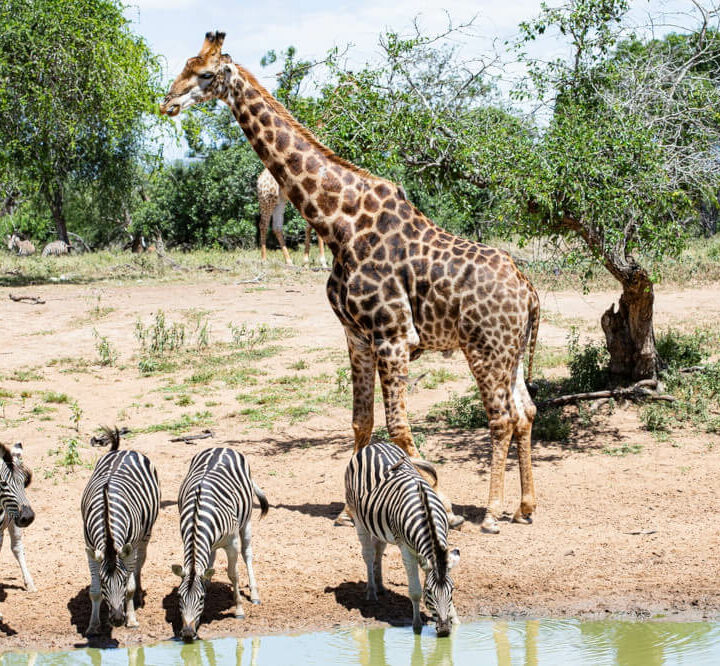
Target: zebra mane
pixel 439 554
pixel 109 543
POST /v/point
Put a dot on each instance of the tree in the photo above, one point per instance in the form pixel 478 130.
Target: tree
pixel 78 93
pixel 621 159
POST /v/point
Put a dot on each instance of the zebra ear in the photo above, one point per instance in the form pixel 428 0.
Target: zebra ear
pixel 126 550
pixel 209 573
pixel 178 570
pixel 17 451
pixel 96 555
pixel 453 558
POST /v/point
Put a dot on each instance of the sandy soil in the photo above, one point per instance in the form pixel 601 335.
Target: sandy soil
pixel 633 535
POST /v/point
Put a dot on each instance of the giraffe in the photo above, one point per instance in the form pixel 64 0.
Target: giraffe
pixel 272 206
pixel 399 284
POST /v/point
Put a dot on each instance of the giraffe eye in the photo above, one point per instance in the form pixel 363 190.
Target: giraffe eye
pixel 206 75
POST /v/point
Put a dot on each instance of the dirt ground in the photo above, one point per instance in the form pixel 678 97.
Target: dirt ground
pixel 637 535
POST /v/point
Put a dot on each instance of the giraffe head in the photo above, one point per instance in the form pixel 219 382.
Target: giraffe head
pixel 204 76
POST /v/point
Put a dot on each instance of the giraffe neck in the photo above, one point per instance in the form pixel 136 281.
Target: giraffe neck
pixel 326 189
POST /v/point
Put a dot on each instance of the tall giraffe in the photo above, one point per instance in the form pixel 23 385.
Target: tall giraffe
pixel 399 284
pixel 272 206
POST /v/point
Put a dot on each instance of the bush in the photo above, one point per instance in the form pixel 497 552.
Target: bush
pixel 679 350
pixel 588 365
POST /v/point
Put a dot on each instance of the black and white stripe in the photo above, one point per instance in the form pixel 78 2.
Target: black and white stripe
pixel 392 503
pixel 215 503
pixel 15 511
pixel 119 507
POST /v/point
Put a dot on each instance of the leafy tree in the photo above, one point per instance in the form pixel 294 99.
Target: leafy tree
pixel 624 156
pixel 77 94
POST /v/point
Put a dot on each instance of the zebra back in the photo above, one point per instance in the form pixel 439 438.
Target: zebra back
pixel 215 501
pixel 121 501
pixel 56 248
pixel 393 502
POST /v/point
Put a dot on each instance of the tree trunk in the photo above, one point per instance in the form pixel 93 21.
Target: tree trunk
pixel 629 331
pixel 55 199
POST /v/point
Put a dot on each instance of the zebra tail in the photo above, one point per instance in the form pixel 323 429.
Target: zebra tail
pixel 264 505
pixel 111 436
pixel 438 551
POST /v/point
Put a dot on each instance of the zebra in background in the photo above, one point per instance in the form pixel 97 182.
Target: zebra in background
pixel 22 247
pixel 215 503
pixel 56 248
pixel 15 511
pixel 119 507
pixel 392 503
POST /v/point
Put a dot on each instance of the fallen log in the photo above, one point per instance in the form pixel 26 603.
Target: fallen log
pixel 188 439
pixel 33 300
pixel 646 389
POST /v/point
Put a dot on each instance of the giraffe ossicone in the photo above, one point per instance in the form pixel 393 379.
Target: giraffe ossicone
pixel 400 285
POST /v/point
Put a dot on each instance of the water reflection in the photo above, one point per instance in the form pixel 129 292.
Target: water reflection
pixel 501 642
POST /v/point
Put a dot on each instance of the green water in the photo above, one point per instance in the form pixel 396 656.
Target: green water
pixel 506 643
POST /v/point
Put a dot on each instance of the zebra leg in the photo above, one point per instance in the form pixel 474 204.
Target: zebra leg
pixel 131 620
pixel 16 545
pixel 139 564
pixel 247 554
pixel 414 587
pixel 232 557
pixel 368 553
pixel 95 598
pixel 379 551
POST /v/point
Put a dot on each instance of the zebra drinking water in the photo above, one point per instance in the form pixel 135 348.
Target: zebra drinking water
pixel 392 503
pixel 119 507
pixel 15 511
pixel 215 503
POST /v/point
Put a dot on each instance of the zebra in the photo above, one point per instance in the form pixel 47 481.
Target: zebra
pixel 215 502
pixel 22 247
pixel 15 511
pixel 56 248
pixel 119 507
pixel 393 503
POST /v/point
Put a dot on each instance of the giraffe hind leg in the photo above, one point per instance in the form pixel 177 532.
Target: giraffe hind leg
pixel 523 432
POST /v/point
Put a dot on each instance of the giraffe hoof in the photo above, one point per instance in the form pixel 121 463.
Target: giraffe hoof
pixel 490 526
pixel 455 521
pixel 344 520
pixel 522 518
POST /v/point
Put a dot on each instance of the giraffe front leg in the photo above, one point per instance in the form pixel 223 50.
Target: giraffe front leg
pixel 393 361
pixel 16 545
pixel 277 224
pixel 264 224
pixel 363 367
pixel 308 237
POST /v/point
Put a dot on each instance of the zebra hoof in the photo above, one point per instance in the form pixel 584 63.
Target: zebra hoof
pixel 257 602
pixel 239 615
pixel 30 588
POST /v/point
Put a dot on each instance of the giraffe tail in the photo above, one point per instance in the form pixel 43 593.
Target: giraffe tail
pixel 533 325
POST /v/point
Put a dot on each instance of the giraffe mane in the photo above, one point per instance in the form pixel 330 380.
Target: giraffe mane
pixel 304 131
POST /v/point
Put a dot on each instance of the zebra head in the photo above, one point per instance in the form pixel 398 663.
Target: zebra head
pixel 192 598
pixel 438 591
pixel 14 478
pixel 114 577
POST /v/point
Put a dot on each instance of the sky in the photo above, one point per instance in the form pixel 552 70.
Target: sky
pixel 175 28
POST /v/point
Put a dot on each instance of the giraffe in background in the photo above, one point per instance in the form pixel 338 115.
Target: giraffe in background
pixel 400 285
pixel 272 206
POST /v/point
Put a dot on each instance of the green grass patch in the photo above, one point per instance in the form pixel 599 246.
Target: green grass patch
pixel 57 398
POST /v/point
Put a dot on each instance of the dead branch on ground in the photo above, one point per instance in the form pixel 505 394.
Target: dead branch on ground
pixel 646 389
pixel 33 300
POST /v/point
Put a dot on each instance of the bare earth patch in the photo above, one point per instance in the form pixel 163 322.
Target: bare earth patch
pixel 635 534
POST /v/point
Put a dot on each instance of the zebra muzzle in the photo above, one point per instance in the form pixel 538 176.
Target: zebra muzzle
pixel 25 516
pixel 188 633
